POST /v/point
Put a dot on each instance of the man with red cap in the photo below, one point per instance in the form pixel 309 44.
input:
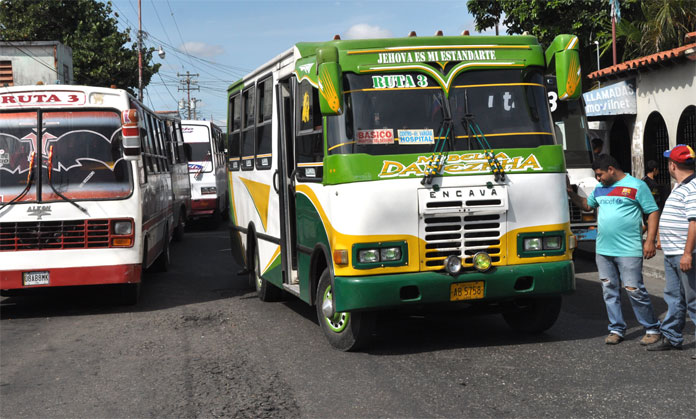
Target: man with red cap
pixel 677 240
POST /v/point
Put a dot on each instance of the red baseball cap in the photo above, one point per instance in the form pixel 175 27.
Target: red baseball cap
pixel 681 154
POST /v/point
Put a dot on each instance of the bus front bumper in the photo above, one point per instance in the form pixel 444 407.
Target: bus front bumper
pixel 500 284
pixel 63 277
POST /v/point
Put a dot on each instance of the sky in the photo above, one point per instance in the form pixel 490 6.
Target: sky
pixel 222 40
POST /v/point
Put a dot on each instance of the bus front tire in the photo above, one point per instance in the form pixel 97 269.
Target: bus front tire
pixel 534 315
pixel 265 290
pixel 345 331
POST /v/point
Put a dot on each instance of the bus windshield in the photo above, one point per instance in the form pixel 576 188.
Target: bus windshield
pixel 87 160
pixel 398 114
pixel 197 137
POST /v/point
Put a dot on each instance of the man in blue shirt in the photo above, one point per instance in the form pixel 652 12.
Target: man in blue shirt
pixel 622 200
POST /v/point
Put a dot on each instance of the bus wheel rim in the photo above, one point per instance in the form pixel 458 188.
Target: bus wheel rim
pixel 339 321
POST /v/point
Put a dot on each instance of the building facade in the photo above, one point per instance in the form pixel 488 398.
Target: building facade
pixel 646 106
pixel 32 62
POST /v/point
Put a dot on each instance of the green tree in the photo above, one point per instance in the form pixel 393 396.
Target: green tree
pixel 659 25
pixel 101 55
pixel 590 20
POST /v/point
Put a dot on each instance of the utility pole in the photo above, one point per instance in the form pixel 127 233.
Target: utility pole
pixel 140 52
pixel 186 85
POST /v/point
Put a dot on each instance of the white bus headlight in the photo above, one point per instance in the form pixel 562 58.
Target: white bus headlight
pixel 533 244
pixel 390 253
pixel 368 256
pixel 552 243
pixel 453 264
pixel 122 228
pixel 208 190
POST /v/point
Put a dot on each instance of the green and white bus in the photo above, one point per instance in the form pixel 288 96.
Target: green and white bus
pixel 367 175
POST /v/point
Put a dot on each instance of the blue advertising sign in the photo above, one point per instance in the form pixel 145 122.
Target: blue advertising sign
pixel 616 99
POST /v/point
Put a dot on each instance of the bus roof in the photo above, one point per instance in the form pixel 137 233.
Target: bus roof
pixel 345 48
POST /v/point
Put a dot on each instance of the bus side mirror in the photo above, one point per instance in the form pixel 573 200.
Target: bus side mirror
pixel 131 134
pixel 564 51
pixel 330 81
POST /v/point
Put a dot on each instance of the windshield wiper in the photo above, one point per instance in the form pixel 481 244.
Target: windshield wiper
pixel 473 129
pixel 30 180
pixel 471 126
pixel 50 182
pixel 438 157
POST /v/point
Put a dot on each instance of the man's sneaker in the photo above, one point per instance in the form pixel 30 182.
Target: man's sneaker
pixel 663 345
pixel 650 338
pixel 613 339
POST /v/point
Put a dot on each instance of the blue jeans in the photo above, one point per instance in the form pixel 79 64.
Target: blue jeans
pixel 615 271
pixel 680 296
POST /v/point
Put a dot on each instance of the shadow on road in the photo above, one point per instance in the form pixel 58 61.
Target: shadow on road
pixel 202 269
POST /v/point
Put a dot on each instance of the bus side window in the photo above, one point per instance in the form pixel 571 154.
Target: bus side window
pixel 146 139
pixel 248 130
pixel 166 142
pixel 309 138
pixel 235 126
pixel 263 124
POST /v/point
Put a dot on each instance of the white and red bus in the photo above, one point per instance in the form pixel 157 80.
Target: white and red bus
pixel 85 189
pixel 207 169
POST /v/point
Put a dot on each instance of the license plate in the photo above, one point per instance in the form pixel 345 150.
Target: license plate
pixel 466 291
pixel 35 278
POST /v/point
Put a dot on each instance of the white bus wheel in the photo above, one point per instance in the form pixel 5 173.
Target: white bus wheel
pixel 344 331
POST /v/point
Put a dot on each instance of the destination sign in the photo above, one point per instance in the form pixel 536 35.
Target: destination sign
pixel 399 57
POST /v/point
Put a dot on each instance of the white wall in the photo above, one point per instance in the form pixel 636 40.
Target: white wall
pixel 38 61
pixel 667 90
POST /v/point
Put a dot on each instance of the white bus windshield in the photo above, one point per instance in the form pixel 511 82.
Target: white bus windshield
pixel 398 114
pixel 197 137
pixel 87 160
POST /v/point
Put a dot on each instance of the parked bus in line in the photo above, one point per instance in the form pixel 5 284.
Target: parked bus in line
pixel 181 184
pixel 367 175
pixel 207 169
pixel 571 129
pixel 85 189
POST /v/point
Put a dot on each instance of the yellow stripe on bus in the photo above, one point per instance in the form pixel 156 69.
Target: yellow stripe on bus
pixel 260 193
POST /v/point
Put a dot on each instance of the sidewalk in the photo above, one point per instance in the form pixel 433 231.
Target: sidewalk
pixel 652 268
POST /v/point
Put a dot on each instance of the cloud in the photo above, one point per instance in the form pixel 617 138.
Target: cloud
pixel 363 31
pixel 201 49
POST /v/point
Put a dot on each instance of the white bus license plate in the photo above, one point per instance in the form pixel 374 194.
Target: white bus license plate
pixel 35 278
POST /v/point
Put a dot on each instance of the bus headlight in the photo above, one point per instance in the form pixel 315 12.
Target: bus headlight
pixel 374 255
pixel 482 261
pixel 122 228
pixel 542 244
pixel 552 243
pixel 368 256
pixel 453 264
pixel 208 190
pixel 533 244
pixel 390 254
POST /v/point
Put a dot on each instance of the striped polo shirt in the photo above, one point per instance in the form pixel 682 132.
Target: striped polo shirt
pixel 680 208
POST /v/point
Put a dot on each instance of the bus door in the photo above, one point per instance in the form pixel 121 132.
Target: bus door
pixel 283 184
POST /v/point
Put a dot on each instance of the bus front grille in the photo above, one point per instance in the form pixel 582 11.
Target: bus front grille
pixel 462 236
pixel 48 235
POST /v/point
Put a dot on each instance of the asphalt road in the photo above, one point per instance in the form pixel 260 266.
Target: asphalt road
pixel 199 344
